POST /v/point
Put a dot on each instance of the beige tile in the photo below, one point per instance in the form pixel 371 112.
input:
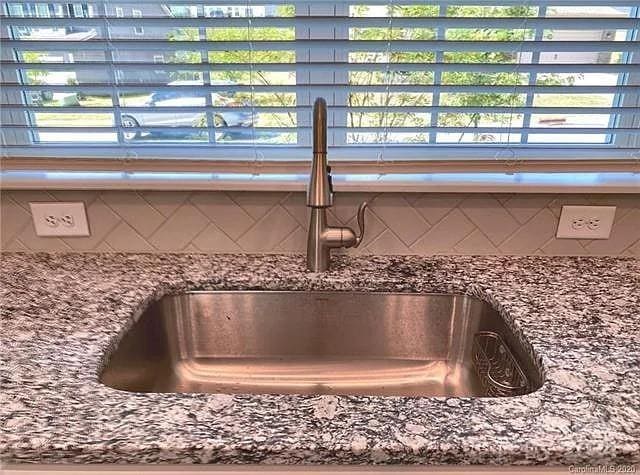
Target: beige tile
pixel 345 205
pixel 23 198
pixel 372 229
pixel 269 231
pixel 166 202
pixel 476 243
pixel 257 203
pixel 131 207
pixel 102 247
pixel 125 239
pixel 523 207
pixel 412 197
pixel 359 251
pixel 85 196
pixel 435 206
pixel 190 249
pixel 179 229
pixel 623 203
pixel 567 200
pixel 397 214
pixel 13 219
pixel 635 249
pixel 14 246
pixel 212 239
pixel 232 219
pixel 442 237
pixel 388 244
pixel 563 247
pixel 296 205
pixel 294 242
pixel 533 235
pixel 624 234
pixel 102 220
pixel 29 238
pixel 489 216
pixel 502 198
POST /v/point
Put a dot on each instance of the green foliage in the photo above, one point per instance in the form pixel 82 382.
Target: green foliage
pixel 34 76
pixel 426 77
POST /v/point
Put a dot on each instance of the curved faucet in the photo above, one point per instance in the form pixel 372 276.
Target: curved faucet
pixel 322 237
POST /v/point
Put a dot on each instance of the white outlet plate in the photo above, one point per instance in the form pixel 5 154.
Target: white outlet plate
pixel 586 222
pixel 59 219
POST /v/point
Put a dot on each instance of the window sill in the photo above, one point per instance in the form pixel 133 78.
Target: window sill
pixel 587 182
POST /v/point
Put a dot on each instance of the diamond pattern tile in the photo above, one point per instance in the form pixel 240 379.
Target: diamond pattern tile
pixel 224 212
pixel 435 206
pixel 476 243
pixel 269 231
pixel 397 214
pixel 165 202
pixel 532 236
pixel 214 240
pixel 125 238
pixel 102 220
pixel 397 223
pixel 131 207
pixel 624 234
pixel 389 243
pixel 524 207
pixel 442 238
pixel 13 218
pixel 488 214
pixel 179 229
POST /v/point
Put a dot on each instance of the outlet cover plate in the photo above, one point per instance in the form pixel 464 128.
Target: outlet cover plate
pixel 59 219
pixel 586 222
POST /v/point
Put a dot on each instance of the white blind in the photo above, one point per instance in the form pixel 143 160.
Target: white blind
pixel 403 79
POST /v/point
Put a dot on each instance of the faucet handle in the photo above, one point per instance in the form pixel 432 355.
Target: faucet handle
pixel 361 209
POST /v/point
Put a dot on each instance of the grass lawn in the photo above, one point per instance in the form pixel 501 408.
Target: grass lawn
pixel 573 100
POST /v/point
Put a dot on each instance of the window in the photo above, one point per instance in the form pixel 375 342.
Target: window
pixel 79 10
pixel 42 10
pixel 405 80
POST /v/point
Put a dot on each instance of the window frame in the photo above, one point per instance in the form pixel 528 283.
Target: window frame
pixel 366 159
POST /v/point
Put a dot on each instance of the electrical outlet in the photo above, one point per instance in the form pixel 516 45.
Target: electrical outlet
pixel 586 222
pixel 59 219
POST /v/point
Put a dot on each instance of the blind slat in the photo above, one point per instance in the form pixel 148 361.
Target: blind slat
pixel 540 3
pixel 333 22
pixel 372 130
pixel 321 45
pixel 414 88
pixel 341 67
pixel 90 65
pixel 356 109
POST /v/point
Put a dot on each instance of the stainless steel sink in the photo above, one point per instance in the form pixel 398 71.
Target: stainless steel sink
pixel 321 343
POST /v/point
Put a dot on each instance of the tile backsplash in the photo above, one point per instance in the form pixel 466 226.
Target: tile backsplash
pixel 397 223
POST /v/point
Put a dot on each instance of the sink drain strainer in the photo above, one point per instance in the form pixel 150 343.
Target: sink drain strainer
pixel 498 370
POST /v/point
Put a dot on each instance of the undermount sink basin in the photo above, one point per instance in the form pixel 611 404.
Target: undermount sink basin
pixel 321 343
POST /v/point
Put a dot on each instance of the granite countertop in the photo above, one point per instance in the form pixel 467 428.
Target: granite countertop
pixel 60 312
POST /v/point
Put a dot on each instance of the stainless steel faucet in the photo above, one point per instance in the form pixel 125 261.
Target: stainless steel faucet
pixel 322 237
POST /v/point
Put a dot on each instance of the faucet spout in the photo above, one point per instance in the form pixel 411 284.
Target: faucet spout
pixel 320 192
pixel 322 237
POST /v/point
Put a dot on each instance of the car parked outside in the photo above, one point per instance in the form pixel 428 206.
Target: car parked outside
pixel 156 117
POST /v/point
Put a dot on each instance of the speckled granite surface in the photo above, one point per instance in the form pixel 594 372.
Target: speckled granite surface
pixel 60 312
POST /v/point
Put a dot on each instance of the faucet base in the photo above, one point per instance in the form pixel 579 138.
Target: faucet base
pixel 317 252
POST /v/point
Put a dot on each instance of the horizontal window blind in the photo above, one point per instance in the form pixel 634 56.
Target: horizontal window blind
pixel 404 79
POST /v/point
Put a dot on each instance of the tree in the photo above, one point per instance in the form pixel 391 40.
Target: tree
pixel 387 120
pixel 243 77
